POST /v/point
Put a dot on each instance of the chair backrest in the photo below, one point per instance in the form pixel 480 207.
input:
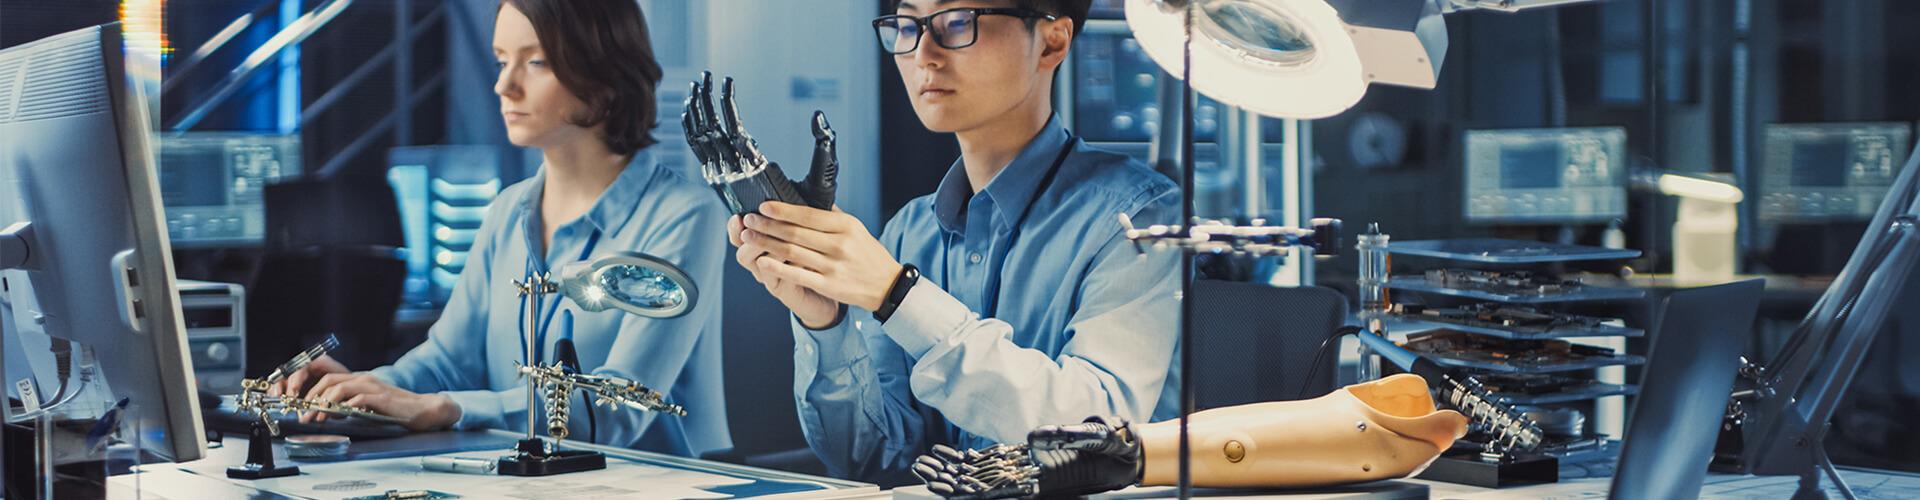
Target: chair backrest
pixel 330 267
pixel 757 347
pixel 1254 342
pixel 1676 418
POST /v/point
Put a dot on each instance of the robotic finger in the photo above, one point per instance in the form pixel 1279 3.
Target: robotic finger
pixel 740 174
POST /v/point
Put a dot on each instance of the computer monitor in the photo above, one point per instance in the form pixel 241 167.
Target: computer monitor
pixel 1676 418
pixel 1827 172
pixel 89 260
pixel 211 183
pixel 1545 176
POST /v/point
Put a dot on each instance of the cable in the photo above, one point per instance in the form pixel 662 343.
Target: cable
pixel 1320 355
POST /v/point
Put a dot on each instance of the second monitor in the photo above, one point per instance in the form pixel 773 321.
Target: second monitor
pixel 212 184
pixel 1545 176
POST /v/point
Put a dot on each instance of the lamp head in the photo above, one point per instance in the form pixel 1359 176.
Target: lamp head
pixel 1295 58
pixel 629 281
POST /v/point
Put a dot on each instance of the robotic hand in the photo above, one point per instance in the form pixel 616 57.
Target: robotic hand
pixel 733 165
pixel 1094 456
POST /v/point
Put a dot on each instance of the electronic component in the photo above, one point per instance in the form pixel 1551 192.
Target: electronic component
pixel 253 399
pixel 1258 239
pixel 1546 176
pixel 1501 282
pixel 408 495
pixel 1514 321
pixel 216 318
pixel 1530 383
pixel 459 465
pixel 613 392
pixel 1464 350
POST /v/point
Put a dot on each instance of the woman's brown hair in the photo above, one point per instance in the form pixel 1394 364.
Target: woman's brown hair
pixel 603 54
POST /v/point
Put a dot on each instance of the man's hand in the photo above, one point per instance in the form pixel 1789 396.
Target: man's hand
pixel 422 412
pixel 828 252
pixel 320 367
pixel 814 310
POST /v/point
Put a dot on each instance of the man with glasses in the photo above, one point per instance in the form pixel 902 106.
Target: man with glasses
pixel 1005 300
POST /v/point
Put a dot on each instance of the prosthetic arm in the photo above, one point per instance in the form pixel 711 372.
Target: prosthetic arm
pixel 733 165
pixel 1382 429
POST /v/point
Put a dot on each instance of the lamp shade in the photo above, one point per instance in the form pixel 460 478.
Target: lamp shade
pixel 1279 58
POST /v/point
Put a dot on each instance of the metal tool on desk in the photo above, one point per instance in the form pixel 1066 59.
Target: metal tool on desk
pixel 253 399
pixel 1257 239
pixel 632 282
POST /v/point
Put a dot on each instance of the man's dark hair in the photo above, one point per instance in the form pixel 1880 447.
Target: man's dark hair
pixel 1074 9
pixel 602 53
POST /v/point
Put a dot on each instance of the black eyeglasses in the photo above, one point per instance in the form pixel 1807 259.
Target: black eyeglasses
pixel 951 28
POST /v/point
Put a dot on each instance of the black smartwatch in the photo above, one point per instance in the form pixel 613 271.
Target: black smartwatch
pixel 909 275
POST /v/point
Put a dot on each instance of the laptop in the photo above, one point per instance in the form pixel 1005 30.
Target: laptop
pixel 1684 390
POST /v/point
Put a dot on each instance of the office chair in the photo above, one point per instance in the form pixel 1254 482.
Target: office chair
pixel 1255 343
pixel 757 350
pixel 331 265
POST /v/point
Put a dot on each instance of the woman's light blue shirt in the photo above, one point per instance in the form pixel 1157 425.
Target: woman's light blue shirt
pixel 470 352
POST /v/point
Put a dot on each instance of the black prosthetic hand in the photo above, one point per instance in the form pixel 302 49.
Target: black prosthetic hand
pixel 732 163
pixel 1097 455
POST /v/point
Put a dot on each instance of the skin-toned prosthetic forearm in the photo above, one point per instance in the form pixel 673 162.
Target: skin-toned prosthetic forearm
pixel 1388 428
pixel 1383 429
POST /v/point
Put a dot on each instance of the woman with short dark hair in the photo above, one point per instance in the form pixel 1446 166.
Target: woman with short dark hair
pixel 576 80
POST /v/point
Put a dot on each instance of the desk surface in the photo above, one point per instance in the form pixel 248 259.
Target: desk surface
pixel 377 466
pixel 1867 484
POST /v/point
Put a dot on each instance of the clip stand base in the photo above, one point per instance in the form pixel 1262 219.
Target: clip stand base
pixel 1469 468
pixel 260 457
pixel 534 460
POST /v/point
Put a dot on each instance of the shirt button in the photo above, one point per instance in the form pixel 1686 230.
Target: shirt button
pixel 975 258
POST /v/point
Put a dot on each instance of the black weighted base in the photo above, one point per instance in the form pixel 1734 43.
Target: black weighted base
pixel 533 460
pixel 260 457
pixel 1469 468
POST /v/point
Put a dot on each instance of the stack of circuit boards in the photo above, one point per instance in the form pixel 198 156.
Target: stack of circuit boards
pixel 1492 310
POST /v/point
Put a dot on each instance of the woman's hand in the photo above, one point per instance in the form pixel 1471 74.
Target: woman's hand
pixel 422 412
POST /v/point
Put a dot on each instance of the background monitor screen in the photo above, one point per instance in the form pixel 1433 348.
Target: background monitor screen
pixel 1825 172
pixel 1546 176
pixel 212 184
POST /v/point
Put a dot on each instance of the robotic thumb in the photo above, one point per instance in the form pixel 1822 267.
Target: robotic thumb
pixel 824 178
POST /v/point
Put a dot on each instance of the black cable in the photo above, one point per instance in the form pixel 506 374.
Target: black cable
pixel 593 424
pixel 1320 355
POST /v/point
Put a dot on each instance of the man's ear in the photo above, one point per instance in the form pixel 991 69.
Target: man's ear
pixel 1055 37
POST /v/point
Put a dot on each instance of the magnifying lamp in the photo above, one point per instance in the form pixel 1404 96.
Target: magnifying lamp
pixel 1285 58
pixel 629 281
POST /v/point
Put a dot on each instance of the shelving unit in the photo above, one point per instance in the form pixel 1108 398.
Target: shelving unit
pixel 1488 311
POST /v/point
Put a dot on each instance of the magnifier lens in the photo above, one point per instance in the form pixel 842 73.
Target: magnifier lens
pixel 641 287
pixel 1257 32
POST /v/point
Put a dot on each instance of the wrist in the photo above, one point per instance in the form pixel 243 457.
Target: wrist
pixel 445 412
pixel 877 293
pixel 821 321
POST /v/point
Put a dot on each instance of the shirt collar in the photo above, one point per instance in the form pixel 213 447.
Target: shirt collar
pixel 1011 190
pixel 616 205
